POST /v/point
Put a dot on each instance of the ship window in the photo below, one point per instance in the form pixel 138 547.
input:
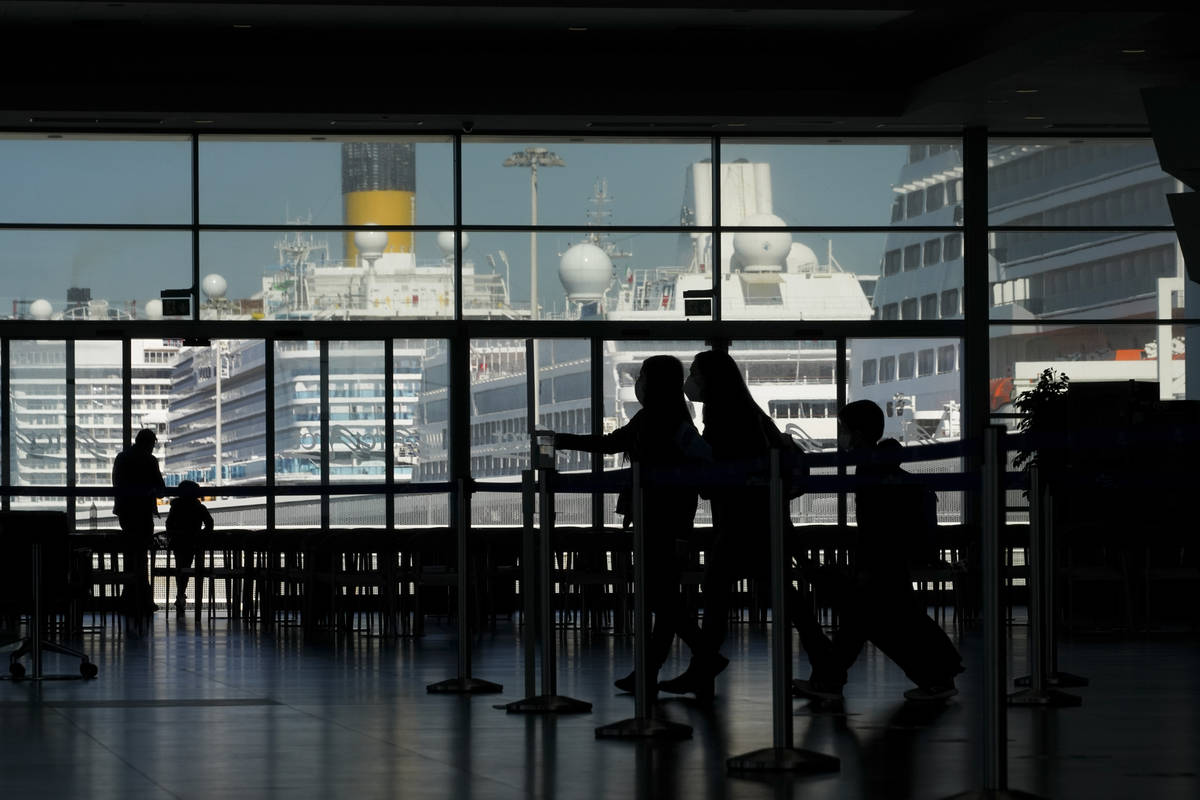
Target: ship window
pixel 914 202
pixel 891 311
pixel 908 308
pixel 869 369
pixel 898 209
pixel 953 248
pixel 935 197
pixel 912 257
pixel 933 251
pixel 945 359
pixel 907 365
pixel 917 152
pixel 762 293
pixel 887 369
pixel 925 362
pixel 929 306
pixel 950 303
pixel 954 191
pixel 891 262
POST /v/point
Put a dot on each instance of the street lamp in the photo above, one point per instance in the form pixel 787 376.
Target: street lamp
pixel 214 287
pixel 534 157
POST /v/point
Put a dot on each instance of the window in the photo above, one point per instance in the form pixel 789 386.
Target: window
pixel 869 370
pixel 945 359
pixel 887 369
pixel 935 197
pixel 953 248
pixel 950 303
pixel 912 257
pixel 913 203
pixel 933 251
pixel 891 311
pixel 929 306
pixel 907 365
pixel 908 308
pixel 898 209
pixel 891 262
pixel 954 191
pixel 925 362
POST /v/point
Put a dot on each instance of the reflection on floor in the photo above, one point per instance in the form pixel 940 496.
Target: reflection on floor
pixel 224 712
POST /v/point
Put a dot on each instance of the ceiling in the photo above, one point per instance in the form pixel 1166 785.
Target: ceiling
pixel 595 67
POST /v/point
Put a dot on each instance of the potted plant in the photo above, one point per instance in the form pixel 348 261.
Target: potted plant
pixel 1043 414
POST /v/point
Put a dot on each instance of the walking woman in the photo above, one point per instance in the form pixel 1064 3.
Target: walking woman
pixel 660 436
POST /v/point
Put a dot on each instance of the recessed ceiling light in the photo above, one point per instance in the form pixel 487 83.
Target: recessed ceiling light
pixel 318 138
pixel 242 27
pixel 1133 51
pixel 1034 116
pixel 54 136
pixel 735 124
pixel 577 29
pixel 202 121
pixel 1027 91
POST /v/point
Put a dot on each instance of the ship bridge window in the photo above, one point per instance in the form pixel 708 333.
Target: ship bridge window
pixel 907 365
pixel 912 257
pixel 887 369
pixel 925 362
pixel 950 303
pixel 869 370
pixel 933 251
pixel 913 203
pixel 929 306
pixel 891 262
pixel 908 308
pixel 898 209
pixel 762 290
pixel 891 311
pixel 953 247
pixel 935 197
pixel 945 359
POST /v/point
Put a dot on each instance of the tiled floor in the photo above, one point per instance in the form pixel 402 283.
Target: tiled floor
pixel 224 712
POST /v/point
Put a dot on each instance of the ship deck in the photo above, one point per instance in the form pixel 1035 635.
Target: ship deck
pixel 219 711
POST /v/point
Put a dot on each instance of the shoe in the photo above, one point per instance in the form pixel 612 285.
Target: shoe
pixel 698 678
pixel 817 691
pixel 929 694
pixel 628 683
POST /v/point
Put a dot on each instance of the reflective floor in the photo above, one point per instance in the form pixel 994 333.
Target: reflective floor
pixel 223 712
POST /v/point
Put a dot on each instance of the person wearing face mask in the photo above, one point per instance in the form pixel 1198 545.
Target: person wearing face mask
pixel 660 436
pixel 739 433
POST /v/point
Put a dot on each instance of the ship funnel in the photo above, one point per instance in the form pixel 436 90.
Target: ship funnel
pixel 379 184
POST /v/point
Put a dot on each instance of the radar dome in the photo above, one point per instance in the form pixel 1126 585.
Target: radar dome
pixel 153 309
pixel 40 309
pixel 762 251
pixel 371 244
pixel 801 258
pixel 445 241
pixel 214 286
pixel 585 271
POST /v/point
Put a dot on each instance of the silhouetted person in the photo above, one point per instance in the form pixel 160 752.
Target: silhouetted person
pixel 738 432
pixel 660 436
pixel 185 521
pixel 136 472
pixel 897 522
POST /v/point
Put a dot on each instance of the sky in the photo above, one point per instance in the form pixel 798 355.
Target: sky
pixel 147 181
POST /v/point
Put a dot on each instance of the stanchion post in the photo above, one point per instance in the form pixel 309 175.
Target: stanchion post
pixel 463 683
pixel 782 756
pixel 529 581
pixel 549 701
pixel 641 725
pixel 1039 692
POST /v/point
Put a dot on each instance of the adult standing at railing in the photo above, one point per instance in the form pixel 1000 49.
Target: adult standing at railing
pixel 661 437
pixel 740 433
pixel 138 483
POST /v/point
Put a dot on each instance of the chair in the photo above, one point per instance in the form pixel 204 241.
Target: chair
pixel 35 581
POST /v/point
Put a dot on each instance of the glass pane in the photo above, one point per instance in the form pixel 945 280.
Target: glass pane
pixel 425 510
pixel 357 417
pixel 217 393
pixel 917 383
pixel 590 275
pixel 77 274
pixel 89 178
pixel 298 511
pixel 99 414
pixel 421 444
pixel 1064 183
pixel 357 511
pixel 297 399
pixel 38 403
pixel 830 182
pixel 326 180
pixel 1097 275
pixel 306 275
pixel 586 181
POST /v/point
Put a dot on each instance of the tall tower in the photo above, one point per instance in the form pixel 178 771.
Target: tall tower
pixel 379 185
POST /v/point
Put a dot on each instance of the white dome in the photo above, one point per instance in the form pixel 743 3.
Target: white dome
pixel 153 309
pixel 801 258
pixel 40 309
pixel 214 286
pixel 445 241
pixel 371 244
pixel 762 251
pixel 585 271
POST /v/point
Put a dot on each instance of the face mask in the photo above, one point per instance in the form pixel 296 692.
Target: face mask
pixel 691 390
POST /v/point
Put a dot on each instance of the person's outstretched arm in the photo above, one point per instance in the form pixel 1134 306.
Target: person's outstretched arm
pixel 619 441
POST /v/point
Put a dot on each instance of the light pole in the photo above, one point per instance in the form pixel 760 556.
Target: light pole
pixel 534 157
pixel 214 287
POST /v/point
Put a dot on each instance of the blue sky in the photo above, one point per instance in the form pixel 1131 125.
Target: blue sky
pixel 147 181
